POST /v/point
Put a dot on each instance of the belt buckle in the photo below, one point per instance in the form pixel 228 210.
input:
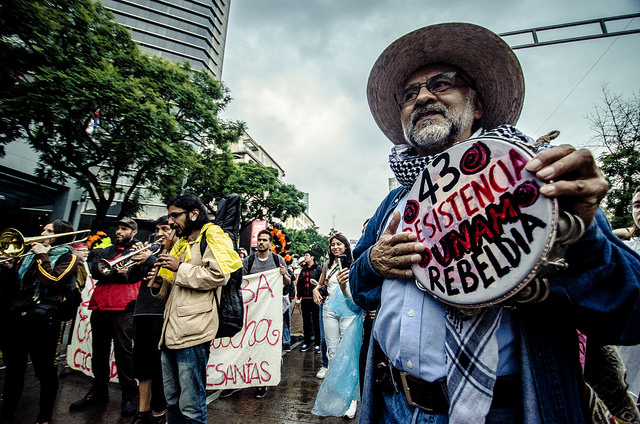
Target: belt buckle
pixel 407 393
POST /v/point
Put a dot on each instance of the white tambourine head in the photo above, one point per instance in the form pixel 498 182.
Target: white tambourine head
pixel 483 221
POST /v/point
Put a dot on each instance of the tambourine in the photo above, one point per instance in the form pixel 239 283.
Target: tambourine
pixel 486 227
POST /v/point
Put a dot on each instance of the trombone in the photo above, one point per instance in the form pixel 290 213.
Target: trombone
pixel 13 243
pixel 107 267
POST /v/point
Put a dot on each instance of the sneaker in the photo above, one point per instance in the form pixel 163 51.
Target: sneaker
pixel 145 417
pixel 66 371
pixel 90 399
pixel 159 417
pixel 317 349
pixel 260 392
pixel 129 409
pixel 322 373
pixel 228 392
pixel 286 348
pixel 304 348
pixel 351 412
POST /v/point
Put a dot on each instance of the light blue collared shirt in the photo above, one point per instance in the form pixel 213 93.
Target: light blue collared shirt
pixel 410 328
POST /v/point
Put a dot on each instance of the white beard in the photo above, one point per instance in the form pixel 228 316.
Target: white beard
pixel 433 136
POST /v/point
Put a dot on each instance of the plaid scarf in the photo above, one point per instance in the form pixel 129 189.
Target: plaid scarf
pixel 471 349
pixel 471 346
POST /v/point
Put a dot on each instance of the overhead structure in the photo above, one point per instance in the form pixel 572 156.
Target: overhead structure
pixel 582 30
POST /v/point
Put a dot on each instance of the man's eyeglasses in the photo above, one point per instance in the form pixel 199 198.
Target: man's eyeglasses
pixel 438 84
pixel 174 215
pixel 633 207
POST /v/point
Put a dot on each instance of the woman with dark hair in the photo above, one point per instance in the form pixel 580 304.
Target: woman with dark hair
pixel 338 314
pixel 35 286
pixel 634 209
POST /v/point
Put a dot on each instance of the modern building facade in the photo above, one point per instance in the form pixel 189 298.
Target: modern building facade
pixel 193 31
pixel 178 30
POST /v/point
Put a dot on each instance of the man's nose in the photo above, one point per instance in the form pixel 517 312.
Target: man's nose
pixel 424 96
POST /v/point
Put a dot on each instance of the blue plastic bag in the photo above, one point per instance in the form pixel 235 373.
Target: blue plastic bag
pixel 341 384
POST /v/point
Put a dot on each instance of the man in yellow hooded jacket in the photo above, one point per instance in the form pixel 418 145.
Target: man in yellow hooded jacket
pixel 188 280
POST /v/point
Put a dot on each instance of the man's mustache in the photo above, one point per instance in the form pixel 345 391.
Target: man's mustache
pixel 427 109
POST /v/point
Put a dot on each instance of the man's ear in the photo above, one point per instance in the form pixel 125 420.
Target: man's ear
pixel 133 233
pixel 194 214
pixel 478 107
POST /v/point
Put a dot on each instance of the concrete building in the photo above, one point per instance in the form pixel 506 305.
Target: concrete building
pixel 178 30
pixel 193 31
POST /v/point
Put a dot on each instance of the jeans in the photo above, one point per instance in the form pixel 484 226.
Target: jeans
pixel 286 327
pixel 116 326
pixel 185 381
pixel 334 327
pixel 397 410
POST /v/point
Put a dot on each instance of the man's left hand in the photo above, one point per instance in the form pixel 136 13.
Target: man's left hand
pixel 577 180
pixel 168 261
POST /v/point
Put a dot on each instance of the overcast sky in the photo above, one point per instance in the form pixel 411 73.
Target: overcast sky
pixel 297 71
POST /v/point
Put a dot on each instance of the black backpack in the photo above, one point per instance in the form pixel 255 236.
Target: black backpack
pixel 230 305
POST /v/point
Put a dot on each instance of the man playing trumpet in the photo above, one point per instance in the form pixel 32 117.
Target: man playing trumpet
pixel 112 306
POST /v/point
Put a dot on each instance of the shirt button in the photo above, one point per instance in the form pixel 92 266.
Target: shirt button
pixel 410 364
pixel 411 313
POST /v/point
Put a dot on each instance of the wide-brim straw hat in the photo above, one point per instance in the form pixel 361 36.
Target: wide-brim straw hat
pixel 480 53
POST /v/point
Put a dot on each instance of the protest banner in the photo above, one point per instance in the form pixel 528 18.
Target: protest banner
pixel 250 358
pixel 253 356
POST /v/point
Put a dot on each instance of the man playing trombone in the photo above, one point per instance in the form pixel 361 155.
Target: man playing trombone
pixel 34 287
pixel 112 305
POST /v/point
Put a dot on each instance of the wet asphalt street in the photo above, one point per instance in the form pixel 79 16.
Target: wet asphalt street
pixel 290 402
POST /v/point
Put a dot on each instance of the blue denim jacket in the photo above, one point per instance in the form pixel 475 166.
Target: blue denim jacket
pixel 599 294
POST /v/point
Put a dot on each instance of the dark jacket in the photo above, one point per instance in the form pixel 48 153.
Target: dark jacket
pixel 113 292
pixel 599 293
pixel 305 287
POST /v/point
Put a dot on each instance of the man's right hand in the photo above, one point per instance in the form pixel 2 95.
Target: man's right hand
pixel 154 281
pixel 5 261
pixel 394 254
pixel 140 257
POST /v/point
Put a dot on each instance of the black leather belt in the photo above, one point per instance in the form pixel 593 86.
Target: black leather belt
pixel 433 397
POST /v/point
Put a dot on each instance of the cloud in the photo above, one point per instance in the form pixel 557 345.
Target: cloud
pixel 298 71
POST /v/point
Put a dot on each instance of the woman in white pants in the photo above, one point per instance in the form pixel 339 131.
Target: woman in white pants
pixel 340 257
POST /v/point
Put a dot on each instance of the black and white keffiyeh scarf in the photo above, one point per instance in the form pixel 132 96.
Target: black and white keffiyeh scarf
pixel 471 346
pixel 407 165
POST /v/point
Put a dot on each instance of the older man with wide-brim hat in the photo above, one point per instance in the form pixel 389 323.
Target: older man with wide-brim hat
pixel 428 362
pixel 481 54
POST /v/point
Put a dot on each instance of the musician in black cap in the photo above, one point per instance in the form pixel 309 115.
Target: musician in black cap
pixel 437 362
pixel 112 304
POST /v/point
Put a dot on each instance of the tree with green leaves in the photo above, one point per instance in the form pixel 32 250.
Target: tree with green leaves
pixel 263 196
pixel 97 110
pixel 308 239
pixel 617 123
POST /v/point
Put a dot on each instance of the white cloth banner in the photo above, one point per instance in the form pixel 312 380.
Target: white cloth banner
pixel 251 358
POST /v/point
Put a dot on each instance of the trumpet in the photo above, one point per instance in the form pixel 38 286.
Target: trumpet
pixel 13 243
pixel 107 267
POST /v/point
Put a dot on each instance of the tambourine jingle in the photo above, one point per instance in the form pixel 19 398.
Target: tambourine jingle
pixel 484 223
